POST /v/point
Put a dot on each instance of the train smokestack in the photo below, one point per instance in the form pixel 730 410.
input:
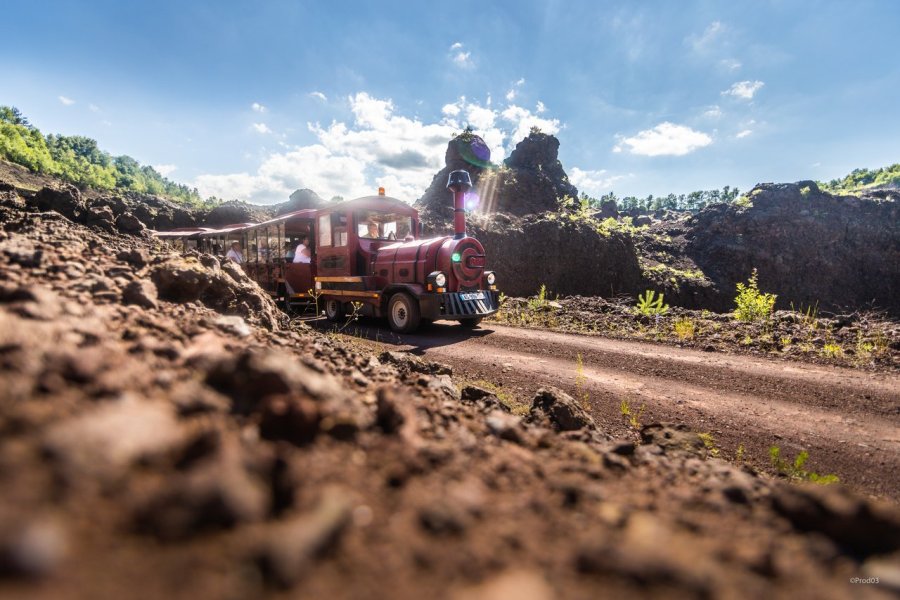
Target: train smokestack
pixel 459 183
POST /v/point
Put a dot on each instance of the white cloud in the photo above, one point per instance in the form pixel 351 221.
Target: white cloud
pixel 257 107
pixel 460 57
pixel 702 42
pixel 744 133
pixel 66 101
pixel 666 139
pixel 523 120
pixel 511 95
pixel 744 90
pixel 520 82
pixel 480 118
pixel 463 59
pixel 261 128
pixel 593 183
pixel 165 170
pixel 730 64
pixel 540 107
pixel 94 108
pixel 378 147
pixel 713 112
pixel 319 95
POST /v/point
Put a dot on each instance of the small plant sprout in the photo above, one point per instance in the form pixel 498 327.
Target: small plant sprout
pixel 753 305
pixel 650 305
pixel 633 419
pixel 795 471
pixel 709 442
pixel 538 302
pixel 832 350
pixel 740 453
pixel 684 329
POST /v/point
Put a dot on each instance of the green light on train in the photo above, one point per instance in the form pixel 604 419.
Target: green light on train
pixel 455 257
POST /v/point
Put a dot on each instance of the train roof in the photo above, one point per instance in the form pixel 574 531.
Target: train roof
pixel 364 203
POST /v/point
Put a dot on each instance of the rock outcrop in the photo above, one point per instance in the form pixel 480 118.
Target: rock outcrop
pixel 299 200
pixel 569 258
pixel 530 181
pixel 809 247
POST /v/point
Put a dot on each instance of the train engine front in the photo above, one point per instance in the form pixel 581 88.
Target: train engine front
pixel 453 283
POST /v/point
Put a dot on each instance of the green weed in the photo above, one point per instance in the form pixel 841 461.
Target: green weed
pixel 832 350
pixel 684 329
pixel 538 302
pixel 709 442
pixel 794 470
pixel 650 305
pixel 634 419
pixel 753 305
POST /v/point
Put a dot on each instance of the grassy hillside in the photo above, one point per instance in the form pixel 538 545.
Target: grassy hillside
pixel 78 160
pixel 861 179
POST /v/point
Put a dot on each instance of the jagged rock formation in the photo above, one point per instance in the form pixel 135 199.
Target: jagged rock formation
pixel 530 181
pixel 299 200
pixel 810 247
pixel 233 212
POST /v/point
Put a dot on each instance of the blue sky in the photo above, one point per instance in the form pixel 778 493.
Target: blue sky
pixel 254 99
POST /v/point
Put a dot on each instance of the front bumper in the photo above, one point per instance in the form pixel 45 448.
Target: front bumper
pixel 451 306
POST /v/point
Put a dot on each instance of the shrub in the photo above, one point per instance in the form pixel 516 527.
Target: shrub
pixel 540 300
pixel 650 306
pixel 753 305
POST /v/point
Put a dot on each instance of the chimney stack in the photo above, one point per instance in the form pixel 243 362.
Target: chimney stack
pixel 459 183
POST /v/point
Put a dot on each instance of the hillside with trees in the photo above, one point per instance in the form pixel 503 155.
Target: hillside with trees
pixel 863 179
pixel 79 160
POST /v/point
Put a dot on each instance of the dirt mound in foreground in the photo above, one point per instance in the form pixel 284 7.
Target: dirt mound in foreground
pixel 152 446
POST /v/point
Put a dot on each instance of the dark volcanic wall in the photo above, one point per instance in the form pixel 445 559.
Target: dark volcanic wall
pixel 810 247
pixel 569 258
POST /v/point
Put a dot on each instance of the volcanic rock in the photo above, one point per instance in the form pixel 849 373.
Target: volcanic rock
pixel 560 409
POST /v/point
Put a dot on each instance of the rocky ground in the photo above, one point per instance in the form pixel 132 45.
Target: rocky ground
pixel 166 432
pixel 866 340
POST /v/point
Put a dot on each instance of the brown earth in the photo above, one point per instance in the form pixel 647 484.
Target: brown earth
pixel 166 432
pixel 848 420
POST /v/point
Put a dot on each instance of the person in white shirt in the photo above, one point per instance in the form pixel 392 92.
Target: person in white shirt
pixel 234 254
pixel 303 254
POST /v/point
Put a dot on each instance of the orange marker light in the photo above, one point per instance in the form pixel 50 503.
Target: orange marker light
pixel 381 191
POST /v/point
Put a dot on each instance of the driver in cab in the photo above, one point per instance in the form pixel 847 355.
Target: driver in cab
pixel 372 230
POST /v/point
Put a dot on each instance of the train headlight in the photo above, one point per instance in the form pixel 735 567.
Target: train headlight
pixel 456 257
pixel 491 278
pixel 440 280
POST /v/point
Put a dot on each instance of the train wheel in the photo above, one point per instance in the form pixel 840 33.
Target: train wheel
pixel 403 313
pixel 470 323
pixel 334 310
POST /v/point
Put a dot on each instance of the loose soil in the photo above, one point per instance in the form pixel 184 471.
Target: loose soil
pixel 165 432
pixel 847 419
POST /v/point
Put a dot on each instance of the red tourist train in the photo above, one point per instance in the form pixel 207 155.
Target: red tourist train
pixel 366 257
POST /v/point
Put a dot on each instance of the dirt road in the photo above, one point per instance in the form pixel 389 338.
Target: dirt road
pixel 848 420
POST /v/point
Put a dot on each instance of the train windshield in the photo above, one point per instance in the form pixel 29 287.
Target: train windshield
pixel 376 225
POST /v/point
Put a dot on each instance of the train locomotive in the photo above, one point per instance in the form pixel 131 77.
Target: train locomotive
pixel 367 259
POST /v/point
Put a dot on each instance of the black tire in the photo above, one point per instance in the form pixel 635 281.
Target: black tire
pixel 470 323
pixel 334 309
pixel 403 315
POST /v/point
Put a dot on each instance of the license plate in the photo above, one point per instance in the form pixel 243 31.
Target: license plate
pixel 472 296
